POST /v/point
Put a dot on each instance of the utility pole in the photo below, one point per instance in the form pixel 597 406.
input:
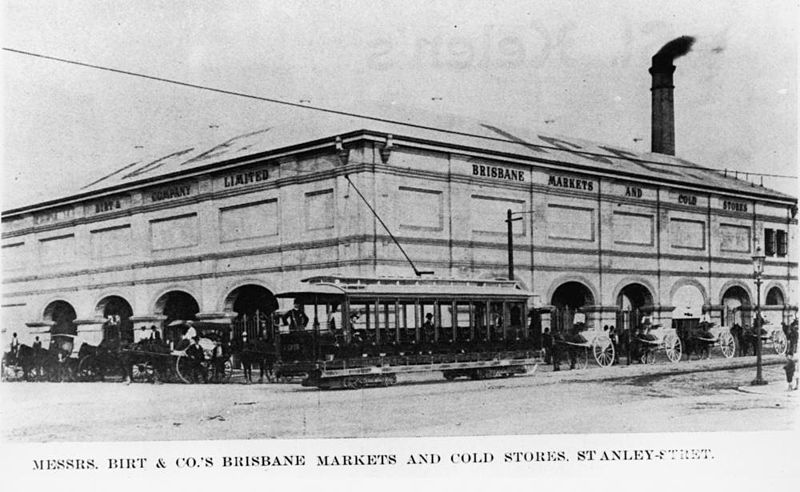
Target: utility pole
pixel 509 222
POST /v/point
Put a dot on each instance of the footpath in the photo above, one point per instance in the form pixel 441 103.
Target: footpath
pixel 660 368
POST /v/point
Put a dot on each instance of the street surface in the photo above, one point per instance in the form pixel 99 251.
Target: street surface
pixel 713 396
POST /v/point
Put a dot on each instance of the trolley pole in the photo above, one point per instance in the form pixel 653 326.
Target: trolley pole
pixel 510 227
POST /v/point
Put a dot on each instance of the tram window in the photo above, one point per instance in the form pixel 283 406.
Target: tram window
pixel 333 318
pixel 429 327
pixel 387 321
pixel 516 321
pixel 445 321
pixel 496 323
pixel 360 318
pixel 480 321
pixel 463 318
pixel 408 323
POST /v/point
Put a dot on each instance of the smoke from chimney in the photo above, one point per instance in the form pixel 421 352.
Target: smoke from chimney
pixel 663 111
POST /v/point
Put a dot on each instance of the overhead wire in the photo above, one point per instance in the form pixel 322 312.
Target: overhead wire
pixel 368 117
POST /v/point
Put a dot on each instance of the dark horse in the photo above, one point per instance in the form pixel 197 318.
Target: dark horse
pixel 259 352
pixel 38 361
pixel 97 362
pixel 697 339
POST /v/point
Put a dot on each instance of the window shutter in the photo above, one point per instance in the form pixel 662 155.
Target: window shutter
pixel 769 242
pixel 783 243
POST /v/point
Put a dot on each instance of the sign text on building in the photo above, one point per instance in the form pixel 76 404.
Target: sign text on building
pixel 633 191
pixel 571 183
pixel 498 172
pixel 170 192
pixel 245 178
pixel 54 215
pixel 734 206
pixel 687 199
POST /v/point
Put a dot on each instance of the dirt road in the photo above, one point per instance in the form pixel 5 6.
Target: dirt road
pixel 542 403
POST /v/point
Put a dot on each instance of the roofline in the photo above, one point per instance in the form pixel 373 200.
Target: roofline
pixel 378 136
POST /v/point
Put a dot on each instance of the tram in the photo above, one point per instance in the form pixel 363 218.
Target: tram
pixel 351 332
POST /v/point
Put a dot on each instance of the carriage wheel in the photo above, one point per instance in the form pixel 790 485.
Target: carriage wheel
pixel 142 371
pixel 673 348
pixel 603 354
pixel 779 342
pixel 183 368
pixel 10 373
pixel 727 344
pixel 87 369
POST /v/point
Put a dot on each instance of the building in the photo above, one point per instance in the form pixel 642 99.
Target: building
pixel 606 234
pixel 211 233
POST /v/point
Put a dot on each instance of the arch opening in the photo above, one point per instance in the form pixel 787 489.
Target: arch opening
pixel 735 301
pixel 634 301
pixel 116 312
pixel 774 297
pixel 176 306
pixel 62 315
pixel 253 305
pixel 568 299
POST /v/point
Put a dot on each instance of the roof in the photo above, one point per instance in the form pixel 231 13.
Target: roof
pixel 331 287
pixel 309 127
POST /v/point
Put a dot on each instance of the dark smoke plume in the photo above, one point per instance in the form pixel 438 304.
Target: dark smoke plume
pixel 674 49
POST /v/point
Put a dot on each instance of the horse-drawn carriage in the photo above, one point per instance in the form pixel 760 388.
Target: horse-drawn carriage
pixel 700 336
pixel 649 339
pixel 157 359
pixel 584 341
pixel 55 363
pixel 773 336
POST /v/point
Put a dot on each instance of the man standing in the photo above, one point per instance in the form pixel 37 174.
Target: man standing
pixel 196 357
pixel 296 318
pixel 218 361
pixel 14 345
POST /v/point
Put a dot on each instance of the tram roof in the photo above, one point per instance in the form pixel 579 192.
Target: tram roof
pixel 335 287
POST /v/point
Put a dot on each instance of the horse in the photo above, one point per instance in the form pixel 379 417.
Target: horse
pixel 698 340
pixel 98 361
pixel 259 352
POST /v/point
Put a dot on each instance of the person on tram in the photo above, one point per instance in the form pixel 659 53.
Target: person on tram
pixel 296 318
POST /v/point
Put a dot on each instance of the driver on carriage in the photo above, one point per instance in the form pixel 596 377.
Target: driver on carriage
pixel 14 345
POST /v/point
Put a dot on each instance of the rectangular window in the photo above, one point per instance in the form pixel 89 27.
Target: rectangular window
pixel 689 234
pixel 174 232
pixel 57 249
pixel 14 256
pixel 770 245
pixel 633 229
pixel 564 222
pixel 319 210
pixel 114 241
pixel 250 220
pixel 488 215
pixel 783 243
pixel 734 238
pixel 420 209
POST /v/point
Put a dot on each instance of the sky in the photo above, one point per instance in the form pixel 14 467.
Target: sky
pixel 569 67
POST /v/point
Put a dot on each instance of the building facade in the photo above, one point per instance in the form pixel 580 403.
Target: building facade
pixel 211 233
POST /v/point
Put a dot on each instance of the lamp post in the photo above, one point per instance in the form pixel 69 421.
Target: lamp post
pixel 758 269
